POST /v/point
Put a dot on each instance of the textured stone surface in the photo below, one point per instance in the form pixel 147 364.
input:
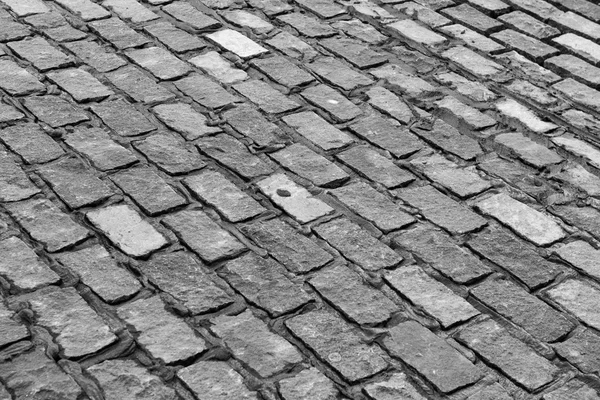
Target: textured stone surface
pixel 95 55
pixel 317 130
pixel 185 12
pixel 104 153
pixel 251 123
pixel 515 111
pixel 80 84
pixel 581 350
pixel 390 104
pixel 175 39
pixel 449 139
pixel 184 119
pixel 123 118
pixel 265 97
pixel 31 143
pixel 139 86
pixel 205 92
pixel 397 386
pixel 118 33
pixel 412 31
pixel 338 74
pixel 527 150
pixel 388 135
pixel 309 384
pixel 213 64
pixel 22 268
pixel 130 10
pixel 332 102
pixel 10 330
pixel 215 381
pixel 374 166
pixel 170 154
pixel 237 43
pixel 578 298
pixel 161 63
pixel 14 183
pixel 41 54
pixel 282 71
pixel 85 9
pixel 16 80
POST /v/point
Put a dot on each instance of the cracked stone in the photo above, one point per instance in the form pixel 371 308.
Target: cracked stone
pixel 581 178
pixel 139 86
pixel 448 138
pixel 355 52
pixel 470 116
pixel 530 92
pixel 104 153
pixel 473 39
pixel 184 119
pixel 513 110
pixel 317 130
pixel 118 33
pixel 10 331
pixel 123 118
pixel 526 69
pixel 473 90
pixel 215 65
pixel 360 30
pixel 215 380
pixel 422 13
pixel 175 39
pixel 388 103
pixel 477 65
pixel 170 154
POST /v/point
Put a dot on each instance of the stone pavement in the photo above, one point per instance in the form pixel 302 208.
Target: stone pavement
pixel 299 200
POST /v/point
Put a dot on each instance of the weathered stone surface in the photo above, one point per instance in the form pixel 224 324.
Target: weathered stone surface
pixel 266 97
pixel 14 183
pixel 233 154
pixel 473 62
pixel 432 356
pixel 530 47
pixel 359 302
pixel 582 179
pixel 579 148
pixel 251 123
pixel 213 64
pixel 47 224
pixel 422 13
pixel 536 317
pixel 282 71
pixel 526 69
pixel 185 12
pixel 517 175
pixel 251 342
pixel 574 67
pixel 31 143
pixel 85 9
pixel 181 276
pixel 175 39
pixel 527 24
pixel 80 84
pixel 294 199
pixel 309 384
pixel 95 55
pixel 527 150
pixel 160 62
pixel 298 253
pixel 139 86
pixel 582 256
pixel 354 52
pixel 214 189
pixel 388 103
pixel 332 102
pixel 579 93
pixel 373 206
pixel 127 230
pixel 513 357
pixel 40 53
pixel 96 145
pixel 124 379
pixel 431 295
pixel 9 113
pixel 237 43
pixel 78 330
pixel 473 18
pixel 492 392
pixel 97 269
pixel 307 26
pixel 206 92
pixel 514 255
pixel 580 299
pixel 531 93
pixel 529 223
pixel 247 20
pixel 360 30
pixel 291 46
pixel 18 81
pixel 215 381
pixel 449 139
pixel 515 111
pixel 24 8
pixel 170 154
pixel 22 268
pixel 118 33
pixel 158 328
pixel 10 331
pixel 317 130
pixel 204 236
pixel 74 183
pixel 472 39
pixel 473 90
pixel 35 376
pixel 403 81
pixel 184 119
pixel 388 135
pixel 337 344
pixel 130 10
pixel 582 350
pixel 396 387
pixel 573 390
pixel 471 117
pixel 374 166
pixel 122 118
pixel 413 32
pixel 336 73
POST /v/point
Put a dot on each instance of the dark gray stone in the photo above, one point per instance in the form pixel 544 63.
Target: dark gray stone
pixel 184 119
pixel 355 52
pixel 80 84
pixel 95 55
pixel 55 111
pixel 31 143
pixel 372 165
pixel 41 54
pixel 118 33
pixel 206 92
pixel 170 154
pixel 282 71
pixel 266 97
pixel 139 86
pixel 104 153
pixel 317 130
pixel 332 102
pixel 388 135
pixel 122 117
pixel 14 183
pixel 449 139
pixel 251 123
pixel 187 13
pixel 307 26
pixel 338 74
pixel 174 38
pixel 215 380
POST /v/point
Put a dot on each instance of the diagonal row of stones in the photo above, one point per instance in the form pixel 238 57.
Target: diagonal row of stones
pixel 399 204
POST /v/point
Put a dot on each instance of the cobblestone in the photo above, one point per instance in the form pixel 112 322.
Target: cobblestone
pixel 139 86
pixel 31 143
pixel 22 267
pixel 205 92
pixel 14 183
pixel 95 55
pixel 170 154
pixel 215 381
pixel 104 153
pixel 187 13
pixel 118 33
pixel 175 39
pixel 159 62
pixel 578 298
pixel 218 67
pixel 41 54
pixel 317 130
pixel 387 135
pixel 450 139
pixel 252 124
pixel 332 102
pixel 184 119
pixel 80 84
pixel 122 117
pixel 236 43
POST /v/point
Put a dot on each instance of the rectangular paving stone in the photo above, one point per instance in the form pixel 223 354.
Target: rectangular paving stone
pixel 527 150
pixel 250 341
pixel 355 52
pixel 310 165
pixel 307 26
pixel 388 103
pixel 571 21
pixel 160 62
pixel 271 7
pixel 237 43
pixel 388 135
pixel 139 86
pixel 531 93
pixel 296 252
pixel 337 344
pixel 55 111
pixel 158 327
pixel 215 65
pixel 437 249
pixel 215 379
pixel 415 33
pixel 31 143
pixel 585 218
pixel 473 39
pixel 473 18
pixel 574 67
pixel 205 92
pixel 527 311
pixel 491 7
pixel 125 228
pixel 369 163
pixel 182 277
pixel 40 53
pixel 130 10
pixel 357 29
pixel 12 331
pixel 292 46
pixel 579 298
pixel 346 290
pixel 182 118
pixel 581 350
pixel 263 282
pixel 442 210
pixel 579 93
pixel 15 185
pixel 525 23
pixel 175 39
pixel 75 183
pixel 282 71
pixel 22 268
pixel 512 356
pixel 77 329
pixel 149 191
pixel 582 47
pixel 317 130
pixel 514 255
pixel 539 8
pixel 372 206
pixel 294 199
pixel 449 139
pixel 332 102
pixel 322 8
pixel 528 46
pixel 217 191
pixel 170 154
pixel 118 33
pixel 185 12
pixel 526 69
pixel 122 117
pixel 527 222
pixel 95 144
pixel 357 245
pixel 396 385
pixel 580 178
pixel 464 114
pixel 80 84
pixel 431 356
pixel 582 256
pixel 422 13
pixel 433 296
pixel 233 154
pixel 336 73
pixel 266 97
pixel 583 7
pixel 8 113
pixel 251 123
pixel 18 81
pixel 203 236
pixel 574 389
pixel 95 55
pixel 96 269
pixel 473 90
pixel 85 9
pixel 247 20
pixel 579 148
pixel 23 8
pixel 473 63
pixel 515 174
pixel 403 82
